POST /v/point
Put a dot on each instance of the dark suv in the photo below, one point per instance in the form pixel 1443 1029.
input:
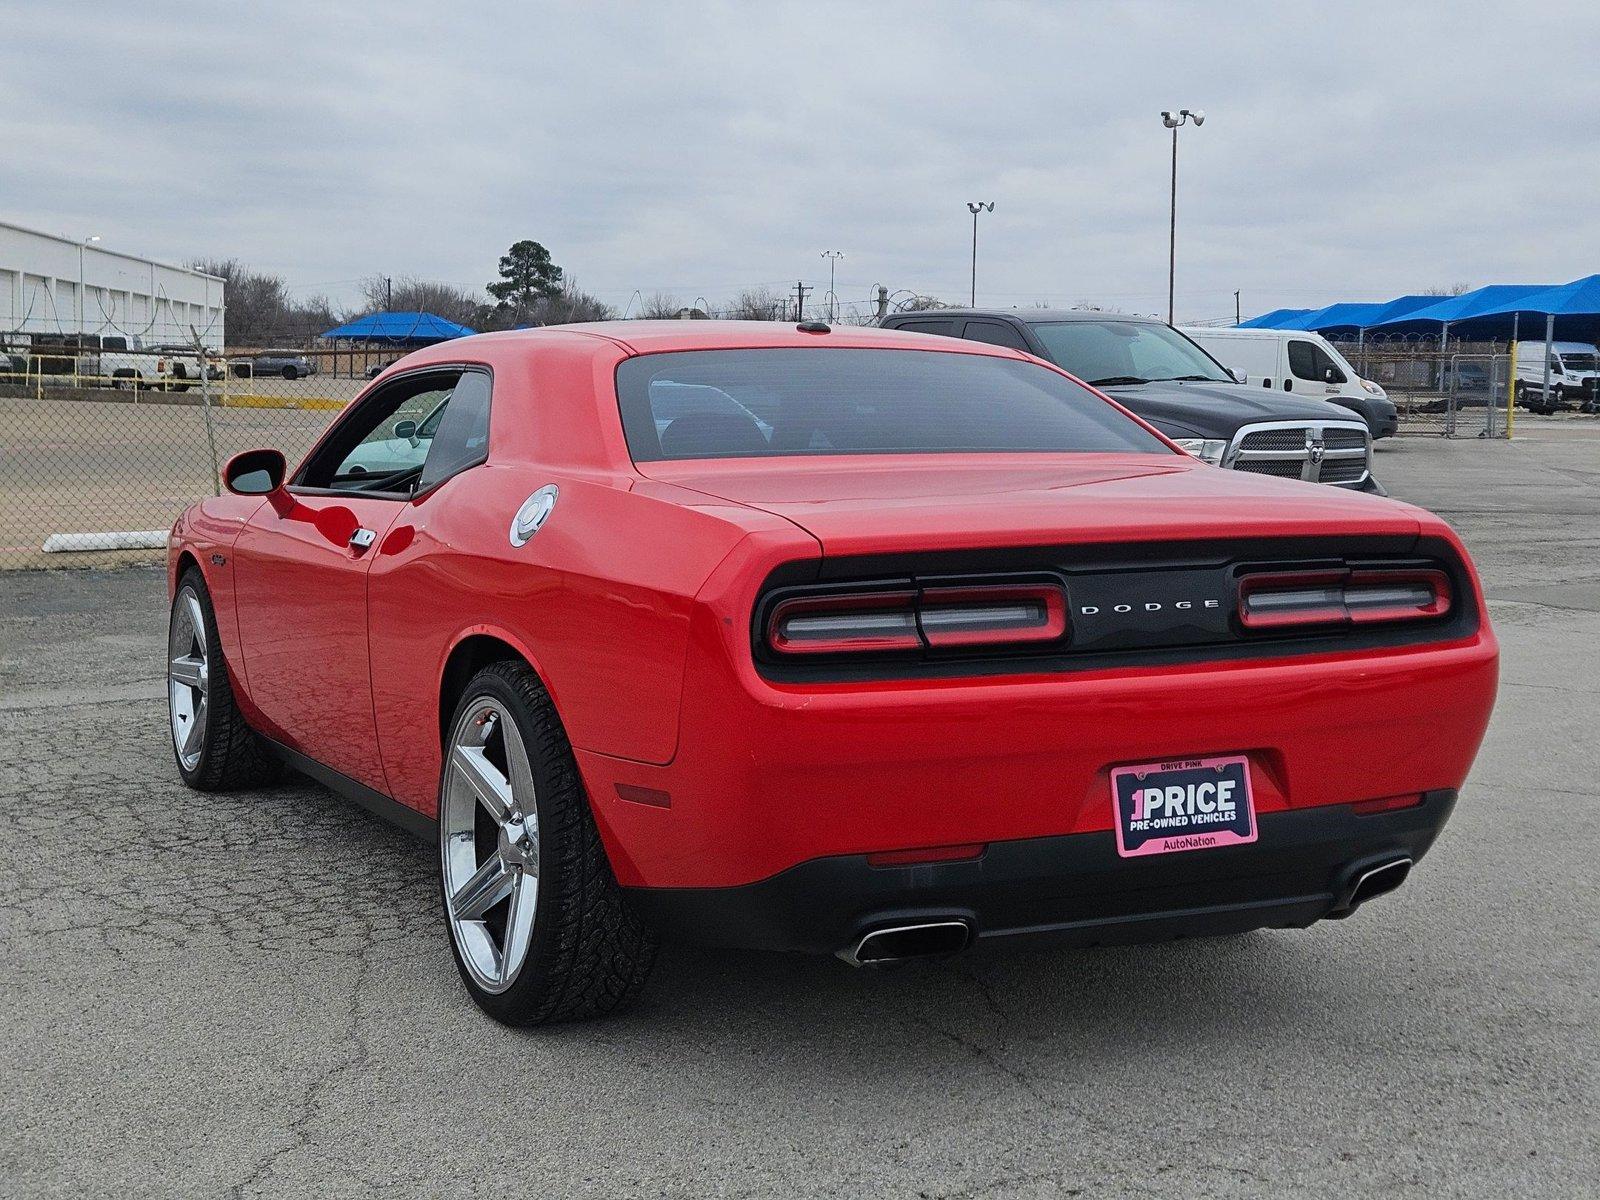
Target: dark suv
pixel 1155 372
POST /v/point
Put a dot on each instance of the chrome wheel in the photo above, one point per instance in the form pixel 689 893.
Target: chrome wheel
pixel 188 678
pixel 489 844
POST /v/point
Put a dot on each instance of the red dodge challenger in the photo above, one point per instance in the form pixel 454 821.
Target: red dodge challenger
pixel 832 640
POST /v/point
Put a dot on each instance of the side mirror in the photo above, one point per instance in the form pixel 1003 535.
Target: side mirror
pixel 255 472
pixel 406 430
pixel 1332 376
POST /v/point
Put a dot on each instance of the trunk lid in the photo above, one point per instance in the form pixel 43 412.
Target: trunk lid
pixel 872 504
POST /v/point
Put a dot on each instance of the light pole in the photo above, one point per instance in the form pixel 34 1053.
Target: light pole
pixel 975 209
pixel 1172 120
pixel 81 245
pixel 832 256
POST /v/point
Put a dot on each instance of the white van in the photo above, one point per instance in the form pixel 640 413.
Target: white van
pixel 1574 375
pixel 1302 363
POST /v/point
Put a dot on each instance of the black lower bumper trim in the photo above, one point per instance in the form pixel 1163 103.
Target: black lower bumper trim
pixel 1074 889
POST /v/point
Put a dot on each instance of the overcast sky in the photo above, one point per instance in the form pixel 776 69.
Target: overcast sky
pixel 1350 151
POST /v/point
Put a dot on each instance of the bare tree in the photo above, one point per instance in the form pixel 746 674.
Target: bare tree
pixel 260 309
pixel 756 304
pixel 920 303
pixel 660 306
pixel 409 294
pixel 569 306
pixel 1451 289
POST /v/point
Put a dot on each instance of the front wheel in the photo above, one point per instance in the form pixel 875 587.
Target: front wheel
pixel 290 373
pixel 539 928
pixel 215 749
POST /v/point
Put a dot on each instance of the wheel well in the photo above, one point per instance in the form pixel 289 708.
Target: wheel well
pixel 472 655
pixel 185 561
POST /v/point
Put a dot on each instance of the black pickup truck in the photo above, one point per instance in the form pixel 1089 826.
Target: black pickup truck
pixel 1160 375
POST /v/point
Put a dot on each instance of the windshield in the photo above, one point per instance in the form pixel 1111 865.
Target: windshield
pixel 763 403
pixel 1118 352
pixel 1579 362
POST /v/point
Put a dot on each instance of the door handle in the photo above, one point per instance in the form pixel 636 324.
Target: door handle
pixel 362 539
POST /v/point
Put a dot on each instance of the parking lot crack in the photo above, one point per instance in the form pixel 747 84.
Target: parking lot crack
pixel 357 1055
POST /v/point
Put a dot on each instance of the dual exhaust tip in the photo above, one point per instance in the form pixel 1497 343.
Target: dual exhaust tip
pixel 936 939
pixel 1376 881
pixel 898 943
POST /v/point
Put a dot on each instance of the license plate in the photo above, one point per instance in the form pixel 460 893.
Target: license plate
pixel 1186 804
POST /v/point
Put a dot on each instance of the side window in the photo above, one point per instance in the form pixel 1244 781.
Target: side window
pixel 1303 361
pixel 380 447
pixel 946 327
pixel 461 439
pixel 995 333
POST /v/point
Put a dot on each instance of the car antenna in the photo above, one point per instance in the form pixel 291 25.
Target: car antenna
pixel 814 327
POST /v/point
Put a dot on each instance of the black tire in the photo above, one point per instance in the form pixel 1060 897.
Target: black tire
pixel 1555 400
pixel 590 953
pixel 232 755
pixel 290 373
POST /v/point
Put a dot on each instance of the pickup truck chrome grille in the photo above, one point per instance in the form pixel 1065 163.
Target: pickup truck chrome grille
pixel 1333 452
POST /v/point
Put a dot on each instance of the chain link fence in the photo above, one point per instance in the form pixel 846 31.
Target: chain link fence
pixel 1455 392
pixel 101 446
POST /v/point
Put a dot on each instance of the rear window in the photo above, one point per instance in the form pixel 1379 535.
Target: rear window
pixel 761 403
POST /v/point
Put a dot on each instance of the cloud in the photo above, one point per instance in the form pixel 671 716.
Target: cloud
pixel 1351 151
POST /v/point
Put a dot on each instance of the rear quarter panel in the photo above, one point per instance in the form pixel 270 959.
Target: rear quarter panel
pixel 598 601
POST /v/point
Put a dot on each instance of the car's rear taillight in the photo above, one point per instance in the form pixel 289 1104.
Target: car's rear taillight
pixel 863 622
pixel 1001 614
pixel 998 614
pixel 1365 596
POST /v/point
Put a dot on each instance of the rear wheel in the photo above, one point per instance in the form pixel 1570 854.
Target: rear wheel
pixel 290 373
pixel 539 928
pixel 214 748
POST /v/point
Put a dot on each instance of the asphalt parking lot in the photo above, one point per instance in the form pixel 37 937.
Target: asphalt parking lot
pixel 251 994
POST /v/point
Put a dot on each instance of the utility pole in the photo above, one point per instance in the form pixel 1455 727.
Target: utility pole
pixel 388 294
pixel 832 256
pixel 975 209
pixel 1172 120
pixel 1236 307
pixel 800 290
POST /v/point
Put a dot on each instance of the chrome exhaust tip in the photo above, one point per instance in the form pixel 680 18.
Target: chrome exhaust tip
pixel 1375 881
pixel 928 939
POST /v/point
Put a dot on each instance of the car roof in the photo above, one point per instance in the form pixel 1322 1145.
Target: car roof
pixel 654 337
pixel 1030 316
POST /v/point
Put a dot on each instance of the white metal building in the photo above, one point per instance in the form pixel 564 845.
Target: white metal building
pixel 53 284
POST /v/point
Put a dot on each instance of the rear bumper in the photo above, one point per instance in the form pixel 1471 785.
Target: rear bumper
pixel 1073 889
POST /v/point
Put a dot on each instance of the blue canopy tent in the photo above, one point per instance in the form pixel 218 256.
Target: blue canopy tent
pixel 1484 309
pixel 1398 307
pixel 1335 319
pixel 1565 312
pixel 1575 306
pixel 1273 319
pixel 398 329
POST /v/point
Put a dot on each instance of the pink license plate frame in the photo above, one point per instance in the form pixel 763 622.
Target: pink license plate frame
pixel 1183 804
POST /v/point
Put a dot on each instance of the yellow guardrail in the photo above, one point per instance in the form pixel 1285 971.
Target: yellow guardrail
pixel 227 399
pixel 217 389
